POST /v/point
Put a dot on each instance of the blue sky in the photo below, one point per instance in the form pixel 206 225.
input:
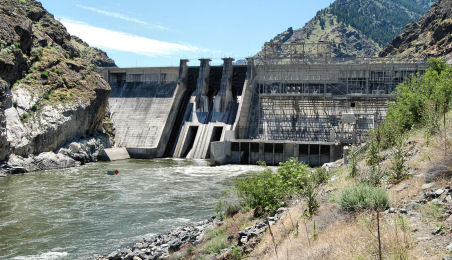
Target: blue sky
pixel 159 33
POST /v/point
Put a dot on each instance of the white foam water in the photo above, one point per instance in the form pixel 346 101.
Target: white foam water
pixel 43 256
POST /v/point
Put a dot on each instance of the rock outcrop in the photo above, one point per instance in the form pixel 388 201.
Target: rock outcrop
pixel 4 100
pixel 50 93
pixel 430 36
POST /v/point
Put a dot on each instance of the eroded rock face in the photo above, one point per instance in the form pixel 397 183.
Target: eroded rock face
pixel 73 154
pixel 86 150
pixel 31 132
pixel 50 92
pixel 429 36
pixel 43 161
pixel 4 102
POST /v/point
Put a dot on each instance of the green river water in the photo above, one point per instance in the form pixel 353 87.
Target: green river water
pixel 78 213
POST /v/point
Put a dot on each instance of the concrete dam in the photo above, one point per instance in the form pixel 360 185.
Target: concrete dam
pixel 266 110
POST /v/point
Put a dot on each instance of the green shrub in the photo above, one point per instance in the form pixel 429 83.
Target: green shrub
pixel 55 70
pixel 215 245
pixel 46 96
pixel 294 176
pixel 45 74
pixel 320 176
pixel 353 162
pixel 373 150
pixel 226 208
pixel 236 252
pixel 267 191
pixel 262 189
pixel 310 194
pixel 24 117
pixel 398 169
pixel 373 176
pixel 362 196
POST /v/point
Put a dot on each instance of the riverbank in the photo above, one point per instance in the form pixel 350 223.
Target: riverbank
pixel 228 238
pixel 160 246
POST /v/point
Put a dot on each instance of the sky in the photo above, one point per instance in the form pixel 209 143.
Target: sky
pixel 144 33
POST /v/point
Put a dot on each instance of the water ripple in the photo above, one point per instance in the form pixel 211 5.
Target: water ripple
pixel 80 212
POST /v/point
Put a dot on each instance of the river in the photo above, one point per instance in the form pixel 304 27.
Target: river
pixel 78 213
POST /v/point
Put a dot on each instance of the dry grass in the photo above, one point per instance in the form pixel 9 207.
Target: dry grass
pixel 347 236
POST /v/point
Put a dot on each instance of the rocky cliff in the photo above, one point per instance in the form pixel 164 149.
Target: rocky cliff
pixel 431 35
pixel 51 93
pixel 355 27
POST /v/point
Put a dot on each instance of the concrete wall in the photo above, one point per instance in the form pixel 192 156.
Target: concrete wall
pixel 238 114
pixel 272 153
pixel 140 105
pixel 322 102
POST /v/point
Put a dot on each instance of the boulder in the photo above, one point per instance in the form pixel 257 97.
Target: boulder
pixel 43 161
pixel 428 185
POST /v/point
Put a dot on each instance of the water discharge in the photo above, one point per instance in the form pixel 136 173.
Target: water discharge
pixel 80 212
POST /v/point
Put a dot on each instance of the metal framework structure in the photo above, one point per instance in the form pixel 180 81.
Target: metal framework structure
pixel 304 97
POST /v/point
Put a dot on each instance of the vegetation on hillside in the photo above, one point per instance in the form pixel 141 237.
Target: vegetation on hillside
pixel 266 191
pixel 420 102
pixel 379 20
pixel 355 28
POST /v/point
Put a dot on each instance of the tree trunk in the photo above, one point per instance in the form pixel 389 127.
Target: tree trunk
pixel 445 131
pixel 379 240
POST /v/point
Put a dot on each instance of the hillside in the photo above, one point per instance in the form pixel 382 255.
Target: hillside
pixel 416 226
pixel 50 93
pixel 431 35
pixel 356 27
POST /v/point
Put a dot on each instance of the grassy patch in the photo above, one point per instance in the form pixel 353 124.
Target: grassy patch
pixel 218 238
pixel 362 196
pixel 215 244
pixel 432 211
pixel 45 74
pixel 24 117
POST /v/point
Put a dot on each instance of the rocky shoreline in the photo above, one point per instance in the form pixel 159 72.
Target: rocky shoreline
pixel 162 245
pixel 73 154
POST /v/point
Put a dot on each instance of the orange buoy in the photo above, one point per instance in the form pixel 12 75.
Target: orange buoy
pixel 116 172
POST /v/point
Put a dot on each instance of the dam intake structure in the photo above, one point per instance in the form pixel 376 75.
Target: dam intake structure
pixel 271 109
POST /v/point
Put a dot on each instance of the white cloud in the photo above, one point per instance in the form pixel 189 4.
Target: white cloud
pixel 114 40
pixel 122 17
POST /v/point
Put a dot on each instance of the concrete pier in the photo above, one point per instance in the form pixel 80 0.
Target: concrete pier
pixel 202 91
pixel 115 154
pixel 223 98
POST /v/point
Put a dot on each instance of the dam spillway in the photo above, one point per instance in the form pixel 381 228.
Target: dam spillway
pixel 262 111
